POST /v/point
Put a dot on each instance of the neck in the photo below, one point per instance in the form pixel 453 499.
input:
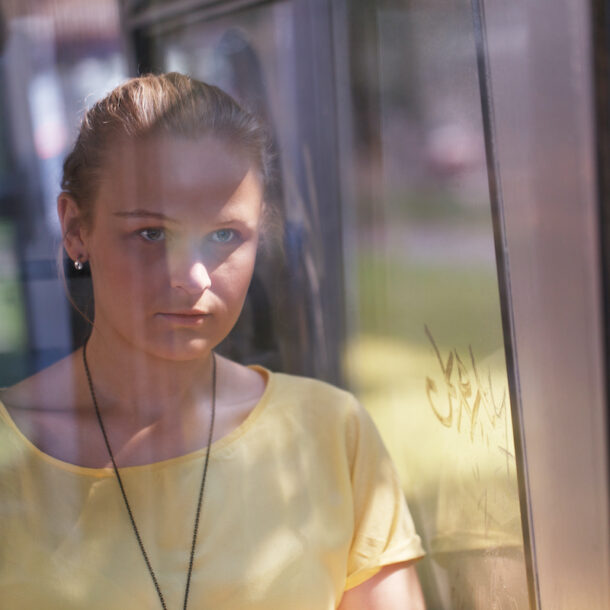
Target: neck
pixel 138 384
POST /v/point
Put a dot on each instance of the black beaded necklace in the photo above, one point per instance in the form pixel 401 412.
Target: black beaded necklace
pixel 122 488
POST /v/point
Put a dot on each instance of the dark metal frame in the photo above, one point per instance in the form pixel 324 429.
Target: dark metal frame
pixel 601 75
pixel 504 286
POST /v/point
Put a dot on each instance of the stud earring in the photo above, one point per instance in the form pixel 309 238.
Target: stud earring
pixel 78 265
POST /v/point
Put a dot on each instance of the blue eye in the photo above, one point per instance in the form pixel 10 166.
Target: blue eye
pixel 152 234
pixel 223 236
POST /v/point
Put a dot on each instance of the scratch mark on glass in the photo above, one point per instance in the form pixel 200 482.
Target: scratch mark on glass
pixel 465 400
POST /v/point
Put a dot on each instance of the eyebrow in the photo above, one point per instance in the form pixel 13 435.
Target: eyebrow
pixel 144 214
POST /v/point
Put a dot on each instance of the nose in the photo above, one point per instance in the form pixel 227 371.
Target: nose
pixel 191 276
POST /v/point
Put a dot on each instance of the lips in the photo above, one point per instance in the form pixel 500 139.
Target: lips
pixel 185 312
pixel 185 318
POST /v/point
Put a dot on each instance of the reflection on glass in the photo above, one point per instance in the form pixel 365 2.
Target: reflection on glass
pixel 252 55
pixel 55 59
pixel 427 351
pixel 12 321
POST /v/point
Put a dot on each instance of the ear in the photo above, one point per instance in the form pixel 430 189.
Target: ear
pixel 72 227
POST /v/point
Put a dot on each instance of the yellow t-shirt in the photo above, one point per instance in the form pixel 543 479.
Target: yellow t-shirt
pixel 301 502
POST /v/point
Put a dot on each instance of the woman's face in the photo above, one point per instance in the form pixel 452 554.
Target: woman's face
pixel 173 243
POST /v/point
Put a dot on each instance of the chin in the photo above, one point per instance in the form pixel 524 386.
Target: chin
pixel 180 350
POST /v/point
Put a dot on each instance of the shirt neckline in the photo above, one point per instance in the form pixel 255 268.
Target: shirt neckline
pixel 217 446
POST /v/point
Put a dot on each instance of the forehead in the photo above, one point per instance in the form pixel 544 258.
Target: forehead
pixel 173 174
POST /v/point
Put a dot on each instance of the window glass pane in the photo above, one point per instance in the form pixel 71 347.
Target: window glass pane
pixel 425 348
pixel 378 273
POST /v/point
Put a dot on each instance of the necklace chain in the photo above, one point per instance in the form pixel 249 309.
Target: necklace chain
pixel 124 494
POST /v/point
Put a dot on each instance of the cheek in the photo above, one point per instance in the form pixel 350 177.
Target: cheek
pixel 232 278
pixel 121 279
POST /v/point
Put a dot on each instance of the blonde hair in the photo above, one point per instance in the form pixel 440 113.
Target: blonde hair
pixel 158 104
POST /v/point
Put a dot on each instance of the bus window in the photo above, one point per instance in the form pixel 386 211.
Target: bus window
pixel 385 267
pixel 425 348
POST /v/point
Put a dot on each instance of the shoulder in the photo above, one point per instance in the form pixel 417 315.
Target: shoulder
pixel 36 401
pixel 323 407
pixel 45 389
pixel 311 393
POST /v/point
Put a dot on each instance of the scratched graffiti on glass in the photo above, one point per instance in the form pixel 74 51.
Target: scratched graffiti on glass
pixel 467 400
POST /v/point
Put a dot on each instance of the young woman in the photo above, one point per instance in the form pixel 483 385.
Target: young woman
pixel 145 471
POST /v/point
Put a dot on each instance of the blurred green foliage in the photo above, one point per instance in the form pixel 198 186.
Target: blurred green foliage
pixel 13 333
pixel 459 303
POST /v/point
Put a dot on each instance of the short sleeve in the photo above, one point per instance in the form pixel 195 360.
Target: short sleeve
pixel 384 533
